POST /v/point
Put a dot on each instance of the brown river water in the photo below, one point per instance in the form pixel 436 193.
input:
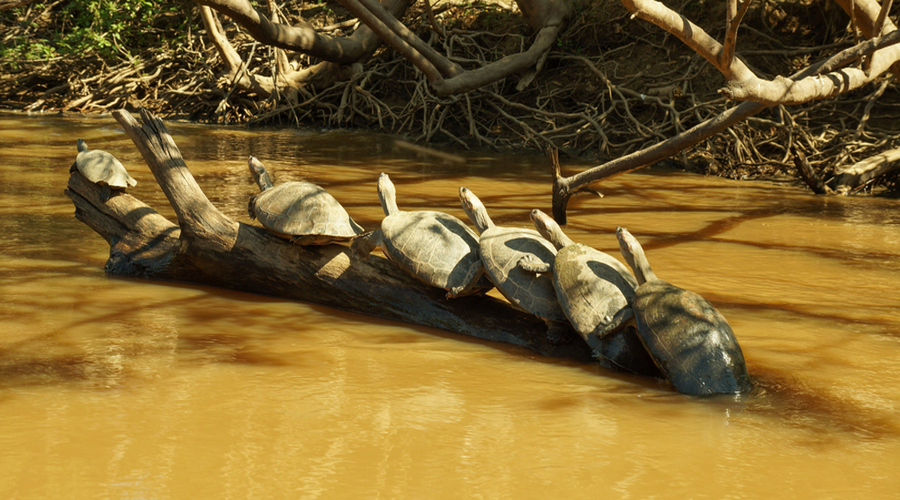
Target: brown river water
pixel 116 387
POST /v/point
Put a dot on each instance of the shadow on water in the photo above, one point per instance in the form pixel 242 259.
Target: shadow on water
pixel 785 399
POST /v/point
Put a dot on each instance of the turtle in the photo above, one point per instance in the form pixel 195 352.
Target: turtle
pixel 690 341
pixel 501 249
pixel 102 169
pixel 302 212
pixel 437 248
pixel 595 291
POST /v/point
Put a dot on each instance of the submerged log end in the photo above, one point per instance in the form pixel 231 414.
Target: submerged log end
pixel 561 195
pixel 141 241
pixel 806 172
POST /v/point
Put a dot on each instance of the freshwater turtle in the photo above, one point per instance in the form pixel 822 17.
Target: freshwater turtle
pixel 101 168
pixel 434 247
pixel 501 250
pixel 302 212
pixel 595 291
pixel 690 341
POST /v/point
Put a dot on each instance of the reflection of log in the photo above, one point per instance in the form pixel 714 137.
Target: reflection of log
pixel 208 248
pixel 858 174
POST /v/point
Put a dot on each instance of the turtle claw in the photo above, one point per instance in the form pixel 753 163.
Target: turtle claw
pixel 533 264
pixel 105 193
pixel 362 245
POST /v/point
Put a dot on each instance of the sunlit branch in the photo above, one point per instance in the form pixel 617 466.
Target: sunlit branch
pixel 733 20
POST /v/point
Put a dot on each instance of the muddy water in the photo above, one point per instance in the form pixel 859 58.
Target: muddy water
pixel 113 387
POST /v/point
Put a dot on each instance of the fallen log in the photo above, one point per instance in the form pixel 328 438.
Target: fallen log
pixel 206 247
pixel 857 175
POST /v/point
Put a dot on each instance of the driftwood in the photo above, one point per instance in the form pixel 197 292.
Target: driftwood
pixel 860 173
pixel 205 247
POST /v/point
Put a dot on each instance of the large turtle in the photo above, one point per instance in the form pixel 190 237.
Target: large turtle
pixel 595 291
pixel 690 341
pixel 103 169
pixel 302 212
pixel 434 247
pixel 501 250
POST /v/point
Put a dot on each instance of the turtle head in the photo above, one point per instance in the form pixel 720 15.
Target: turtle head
pixel 260 174
pixel 549 229
pixel 387 194
pixel 634 255
pixel 475 210
pixel 82 146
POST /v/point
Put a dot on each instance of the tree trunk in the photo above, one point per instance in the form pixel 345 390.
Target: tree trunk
pixel 208 248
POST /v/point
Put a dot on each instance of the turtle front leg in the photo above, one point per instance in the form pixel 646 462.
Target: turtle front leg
pixel 362 245
pixel 105 192
pixel 73 168
pixel 533 264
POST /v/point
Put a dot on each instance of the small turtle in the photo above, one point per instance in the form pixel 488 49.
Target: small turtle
pixel 595 291
pixel 690 341
pixel 501 250
pixel 302 212
pixel 103 169
pixel 434 247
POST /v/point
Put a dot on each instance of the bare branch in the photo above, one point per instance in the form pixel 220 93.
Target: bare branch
pixel 783 90
pixel 732 22
pixel 692 35
pixel 867 13
pixel 882 16
pixel 508 65
pixel 302 37
pixel 398 36
pixel 230 56
pixel 438 28
pixel 809 176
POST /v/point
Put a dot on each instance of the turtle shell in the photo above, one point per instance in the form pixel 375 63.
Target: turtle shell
pixel 435 247
pixel 101 167
pixel 501 250
pixel 303 211
pixel 623 351
pixel 690 341
pixel 594 289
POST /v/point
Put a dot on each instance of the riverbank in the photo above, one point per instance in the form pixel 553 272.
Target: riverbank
pixel 610 87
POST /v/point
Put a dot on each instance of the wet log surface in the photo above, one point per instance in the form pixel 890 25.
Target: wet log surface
pixel 206 247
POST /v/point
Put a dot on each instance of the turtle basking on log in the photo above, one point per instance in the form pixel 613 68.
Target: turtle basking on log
pixel 690 341
pixel 501 250
pixel 103 169
pixel 437 248
pixel 302 212
pixel 595 291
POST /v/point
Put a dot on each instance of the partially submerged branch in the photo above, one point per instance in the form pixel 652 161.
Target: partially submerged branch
pixel 808 174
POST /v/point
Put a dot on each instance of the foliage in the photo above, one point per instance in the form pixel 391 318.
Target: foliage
pixel 111 29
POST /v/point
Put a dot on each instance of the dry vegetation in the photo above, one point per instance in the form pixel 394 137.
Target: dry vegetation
pixel 611 86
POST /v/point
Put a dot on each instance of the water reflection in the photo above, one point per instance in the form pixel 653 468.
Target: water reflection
pixel 113 387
